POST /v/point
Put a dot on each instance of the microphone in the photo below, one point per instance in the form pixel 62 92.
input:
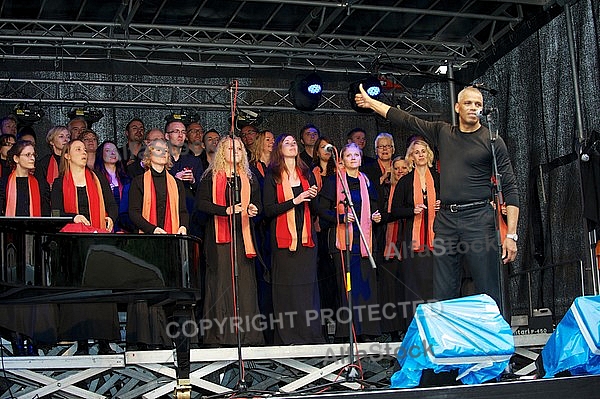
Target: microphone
pixel 329 147
pixel 486 111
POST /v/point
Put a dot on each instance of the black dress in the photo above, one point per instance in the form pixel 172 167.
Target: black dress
pixel 417 267
pixel 219 290
pixel 363 276
pixel 39 322
pixel 296 301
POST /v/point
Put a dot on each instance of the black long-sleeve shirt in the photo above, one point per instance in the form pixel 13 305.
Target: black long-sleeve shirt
pixel 465 159
pixel 136 202
pixel 22 206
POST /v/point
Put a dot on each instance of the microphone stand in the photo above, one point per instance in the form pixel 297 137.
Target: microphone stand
pixel 349 205
pixel 498 201
pixel 234 198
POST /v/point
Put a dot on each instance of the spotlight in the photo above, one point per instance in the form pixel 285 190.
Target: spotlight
pixel 28 114
pixel 371 85
pixel 185 117
pixel 246 117
pixel 89 114
pixel 305 92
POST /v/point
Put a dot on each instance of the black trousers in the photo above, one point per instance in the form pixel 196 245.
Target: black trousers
pixel 466 237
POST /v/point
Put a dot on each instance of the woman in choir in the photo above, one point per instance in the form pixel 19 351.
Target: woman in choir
pixel 108 164
pixel 363 279
pixel 157 199
pixel 416 201
pixel 90 139
pixel 21 193
pixel 47 167
pixel 289 199
pixel 217 198
pixel 80 194
pixel 261 153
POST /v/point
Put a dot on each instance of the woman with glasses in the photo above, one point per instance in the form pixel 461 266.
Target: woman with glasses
pixel 416 201
pixel 21 193
pixel 289 200
pixel 156 198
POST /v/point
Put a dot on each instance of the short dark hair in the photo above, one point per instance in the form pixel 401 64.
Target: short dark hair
pixel 356 129
pixel 133 120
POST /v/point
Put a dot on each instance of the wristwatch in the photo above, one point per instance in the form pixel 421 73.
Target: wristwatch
pixel 513 237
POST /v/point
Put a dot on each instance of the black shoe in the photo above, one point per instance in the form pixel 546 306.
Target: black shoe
pixel 82 348
pixel 105 349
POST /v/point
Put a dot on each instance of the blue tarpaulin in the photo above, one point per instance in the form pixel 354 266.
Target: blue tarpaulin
pixel 465 334
pixel 575 344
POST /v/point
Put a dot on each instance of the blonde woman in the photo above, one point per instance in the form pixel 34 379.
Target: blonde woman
pixel 216 197
pixel 157 199
pixel 416 201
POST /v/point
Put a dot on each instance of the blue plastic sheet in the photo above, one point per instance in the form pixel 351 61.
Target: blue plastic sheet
pixel 465 334
pixel 575 344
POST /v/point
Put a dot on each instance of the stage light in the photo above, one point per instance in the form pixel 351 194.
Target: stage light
pixel 371 85
pixel 305 92
pixel 28 114
pixel 184 117
pixel 89 114
pixel 244 117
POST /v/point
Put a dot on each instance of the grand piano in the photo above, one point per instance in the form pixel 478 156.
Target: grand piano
pixel 41 266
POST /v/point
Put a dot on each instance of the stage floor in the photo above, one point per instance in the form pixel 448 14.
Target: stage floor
pixel 306 371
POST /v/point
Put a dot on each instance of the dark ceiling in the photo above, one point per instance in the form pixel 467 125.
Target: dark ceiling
pixel 407 39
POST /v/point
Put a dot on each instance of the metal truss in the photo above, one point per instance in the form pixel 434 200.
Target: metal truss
pixel 319 40
pixel 217 96
pixel 278 369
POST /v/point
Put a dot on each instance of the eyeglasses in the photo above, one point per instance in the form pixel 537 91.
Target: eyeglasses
pixel 28 155
pixel 89 139
pixel 248 133
pixel 159 151
pixel 384 147
pixel 182 132
pixel 8 144
pixel 195 131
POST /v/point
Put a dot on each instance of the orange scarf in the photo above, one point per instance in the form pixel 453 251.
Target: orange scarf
pixel 318 177
pixel 94 196
pixel 285 226
pixel 365 215
pixel 222 233
pixel 52 172
pixel 391 232
pixel 172 208
pixel 418 231
pixel 35 206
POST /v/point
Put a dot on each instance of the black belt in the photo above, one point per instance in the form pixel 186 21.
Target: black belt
pixel 463 207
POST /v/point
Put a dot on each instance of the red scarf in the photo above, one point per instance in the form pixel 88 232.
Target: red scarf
pixel 172 208
pixel 365 215
pixel 94 197
pixel 35 206
pixel 418 230
pixel 391 232
pixel 52 172
pixel 285 225
pixel 222 232
pixel 260 168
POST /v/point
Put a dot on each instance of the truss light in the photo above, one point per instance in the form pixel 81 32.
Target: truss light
pixel 90 115
pixel 305 92
pixel 371 85
pixel 441 70
pixel 28 114
pixel 185 117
